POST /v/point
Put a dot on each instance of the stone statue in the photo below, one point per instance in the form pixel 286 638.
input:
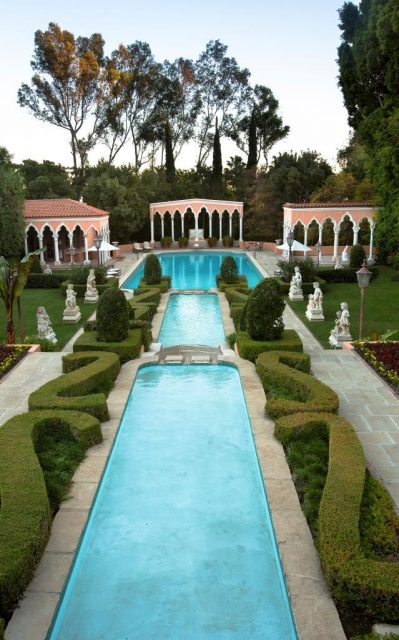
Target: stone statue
pixel 314 309
pixel 45 330
pixel 71 312
pixel 295 292
pixel 345 255
pixel 46 270
pixel 341 331
pixel 91 295
pixel 338 264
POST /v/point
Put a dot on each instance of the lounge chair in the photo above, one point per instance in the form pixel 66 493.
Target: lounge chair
pixel 147 246
pixel 137 247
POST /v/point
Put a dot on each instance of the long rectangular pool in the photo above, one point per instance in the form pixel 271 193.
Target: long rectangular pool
pixel 192 319
pixel 197 269
pixel 179 545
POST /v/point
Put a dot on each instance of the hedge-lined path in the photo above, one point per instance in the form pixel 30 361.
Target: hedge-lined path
pixel 365 400
pixel 31 373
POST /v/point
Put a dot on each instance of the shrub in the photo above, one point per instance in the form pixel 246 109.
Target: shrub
pixel 128 349
pixel 240 284
pixel 145 328
pixel 90 325
pixel 183 242
pixel 307 287
pixel 236 294
pixel 264 314
pixel 289 387
pixel 250 349
pixel 36 266
pixel 237 313
pixel 370 586
pixel 112 316
pixel 342 275
pixel 79 274
pixel 357 256
pixel 164 285
pixel 231 340
pixel 45 345
pixel 212 241
pixel 229 270
pixel 166 242
pixel 306 267
pixel 152 269
pixel 228 241
pixel 25 512
pixel 80 289
pixel 88 377
pixel 45 280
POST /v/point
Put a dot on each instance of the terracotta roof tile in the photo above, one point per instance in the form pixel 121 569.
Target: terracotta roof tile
pixel 332 205
pixel 61 208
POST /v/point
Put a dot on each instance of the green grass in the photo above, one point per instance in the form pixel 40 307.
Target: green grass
pixel 381 307
pixel 54 302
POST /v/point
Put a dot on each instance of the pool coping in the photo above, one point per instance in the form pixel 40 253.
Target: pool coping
pixel 314 611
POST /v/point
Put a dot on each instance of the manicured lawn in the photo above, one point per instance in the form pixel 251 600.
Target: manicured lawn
pixel 54 302
pixel 381 307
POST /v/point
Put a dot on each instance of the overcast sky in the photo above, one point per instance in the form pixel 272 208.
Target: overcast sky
pixel 287 45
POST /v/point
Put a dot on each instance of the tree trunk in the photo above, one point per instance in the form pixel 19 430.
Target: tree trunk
pixel 10 327
pixel 20 321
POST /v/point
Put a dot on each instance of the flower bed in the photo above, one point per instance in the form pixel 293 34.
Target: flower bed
pixel 383 357
pixel 9 356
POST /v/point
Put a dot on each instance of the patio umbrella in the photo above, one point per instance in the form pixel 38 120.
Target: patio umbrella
pixel 297 246
pixel 105 246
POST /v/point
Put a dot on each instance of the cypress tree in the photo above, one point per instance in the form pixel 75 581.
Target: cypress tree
pixel 252 143
pixel 169 159
pixel 12 226
pixel 217 166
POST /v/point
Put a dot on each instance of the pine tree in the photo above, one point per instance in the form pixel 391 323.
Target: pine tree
pixel 217 166
pixel 252 143
pixel 169 159
pixel 12 226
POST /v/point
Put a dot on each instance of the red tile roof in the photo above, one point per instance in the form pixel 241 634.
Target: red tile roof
pixel 61 208
pixel 343 204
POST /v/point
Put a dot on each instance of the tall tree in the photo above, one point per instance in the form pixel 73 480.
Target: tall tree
pixel 224 91
pixel 12 226
pixel 46 180
pixel 217 166
pixel 169 159
pixel 252 142
pixel 66 88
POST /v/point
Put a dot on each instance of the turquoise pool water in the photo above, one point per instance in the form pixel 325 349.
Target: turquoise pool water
pixel 179 545
pixel 197 269
pixel 192 319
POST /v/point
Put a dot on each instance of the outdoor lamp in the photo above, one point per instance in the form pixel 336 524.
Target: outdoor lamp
pixel 97 243
pixel 363 280
pixel 290 242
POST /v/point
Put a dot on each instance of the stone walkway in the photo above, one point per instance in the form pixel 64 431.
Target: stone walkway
pixel 366 401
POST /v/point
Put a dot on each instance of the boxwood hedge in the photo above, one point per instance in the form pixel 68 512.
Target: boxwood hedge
pixel 163 286
pixel 80 289
pixel 128 349
pixel 307 287
pixel 88 376
pixel 25 513
pixel 250 349
pixel 371 586
pixel 289 386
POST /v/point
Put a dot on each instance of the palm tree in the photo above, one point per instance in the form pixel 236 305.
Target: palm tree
pixel 13 278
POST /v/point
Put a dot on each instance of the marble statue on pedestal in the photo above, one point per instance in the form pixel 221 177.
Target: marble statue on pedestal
pixel 341 331
pixel 45 330
pixel 46 270
pixel 314 309
pixel 295 292
pixel 71 312
pixel 91 295
pixel 345 255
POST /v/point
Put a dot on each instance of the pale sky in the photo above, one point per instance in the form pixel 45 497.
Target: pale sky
pixel 287 45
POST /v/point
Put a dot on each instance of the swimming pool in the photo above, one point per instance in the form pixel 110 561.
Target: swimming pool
pixel 197 269
pixel 192 319
pixel 179 545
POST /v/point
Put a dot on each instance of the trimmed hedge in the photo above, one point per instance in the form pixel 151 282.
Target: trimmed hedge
pixel 128 349
pixel 241 282
pixel 144 304
pixel 88 376
pixel 236 313
pixel 343 275
pixel 146 294
pixel 25 512
pixel 236 294
pixel 250 349
pixel 370 586
pixel 141 312
pixel 307 287
pixel 112 316
pixel 163 286
pixel 289 386
pixel 152 269
pixel 45 281
pixel 80 289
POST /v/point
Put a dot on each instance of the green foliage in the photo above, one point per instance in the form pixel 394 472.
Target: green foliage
pixel 343 275
pixel 12 225
pixel 152 269
pixel 170 171
pixel 228 241
pixel 89 376
pixel 250 349
pixel 112 316
pixel 264 313
pixel 183 242
pixel 45 280
pixel 379 524
pixel 306 266
pixel 212 241
pixel 128 349
pixel 36 266
pixel 25 511
pixel 231 340
pixel 166 242
pixel 289 386
pixel 357 256
pixel 240 286
pixel 163 286
pixel 46 180
pixel 79 274
pixel 229 270
pixel 80 289
pixel 217 189
pixel 252 142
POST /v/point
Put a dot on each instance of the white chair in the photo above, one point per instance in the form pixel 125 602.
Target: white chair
pixel 137 247
pixel 147 246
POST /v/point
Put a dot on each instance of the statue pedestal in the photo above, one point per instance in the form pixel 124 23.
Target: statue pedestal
pixel 314 314
pixel 336 340
pixel 51 337
pixel 91 298
pixel 296 295
pixel 71 316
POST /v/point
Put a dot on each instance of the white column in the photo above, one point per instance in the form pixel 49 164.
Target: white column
pixel 26 245
pixel 285 232
pixel 172 220
pixel 41 247
pixel 305 235
pixel 210 224
pixel 321 233
pixel 336 240
pixel 152 231
pixel 220 226
pixel 356 230
pixel 241 238
pixel 56 251
pixel 230 225
pixel 86 248
pixel 162 227
pixel 196 224
pixel 371 241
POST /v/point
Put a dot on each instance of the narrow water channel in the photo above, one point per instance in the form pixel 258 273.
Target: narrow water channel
pixel 192 319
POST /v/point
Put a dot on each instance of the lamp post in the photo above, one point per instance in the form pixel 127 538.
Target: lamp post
pixel 97 243
pixel 318 246
pixel 363 280
pixel 290 242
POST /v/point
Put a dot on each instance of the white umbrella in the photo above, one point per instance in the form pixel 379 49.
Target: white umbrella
pixel 104 246
pixel 296 246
